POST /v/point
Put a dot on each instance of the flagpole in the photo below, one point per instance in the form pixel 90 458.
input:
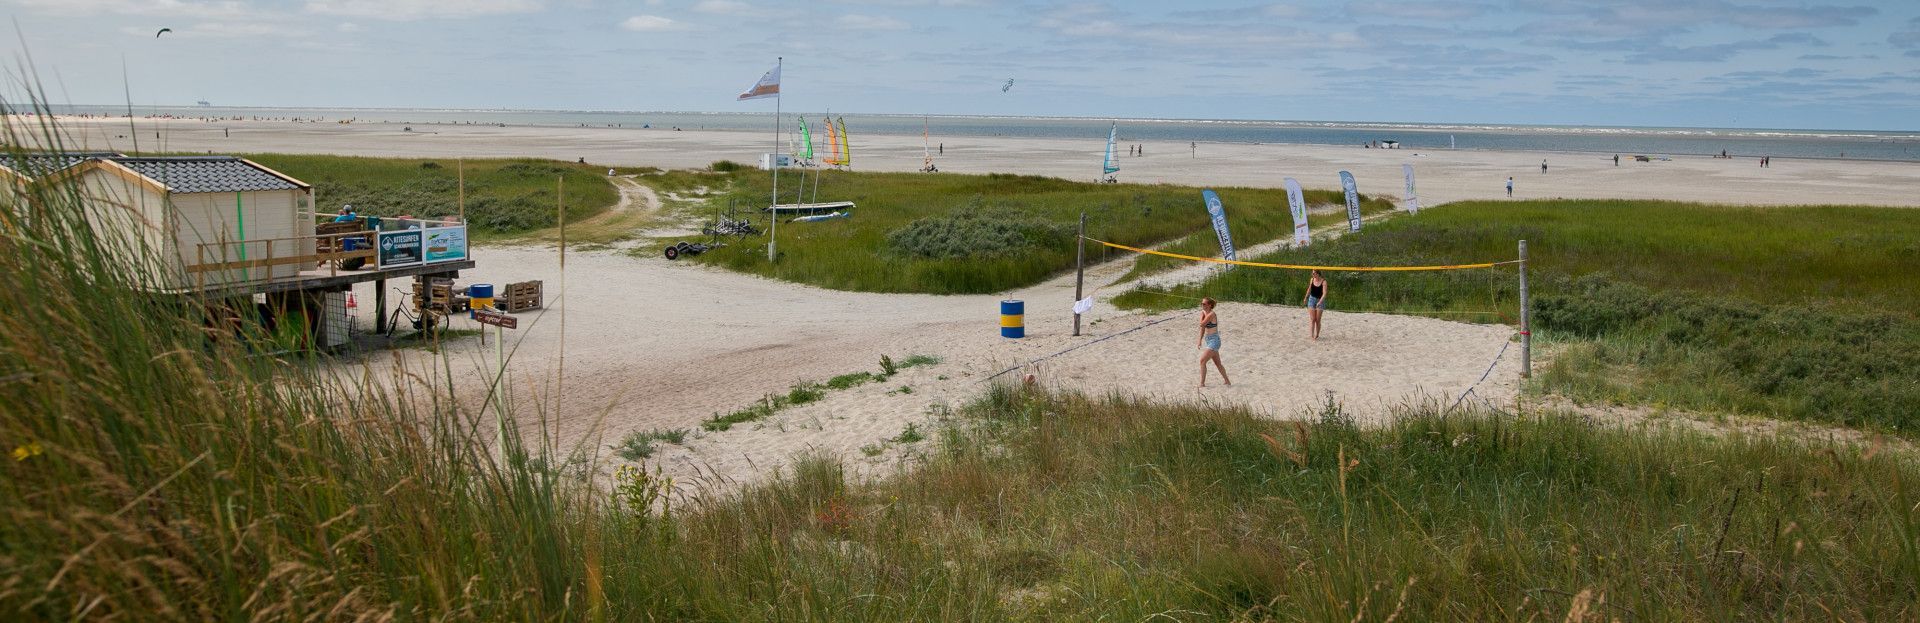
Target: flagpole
pixel 773 162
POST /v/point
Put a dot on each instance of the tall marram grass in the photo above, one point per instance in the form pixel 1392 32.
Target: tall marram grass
pixel 165 467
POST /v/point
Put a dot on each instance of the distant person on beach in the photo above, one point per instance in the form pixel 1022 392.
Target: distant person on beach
pixel 1210 342
pixel 1315 301
pixel 1509 187
pixel 943 149
pixel 1616 160
pixel 1543 165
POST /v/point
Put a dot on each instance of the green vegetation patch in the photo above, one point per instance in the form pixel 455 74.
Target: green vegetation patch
pixel 503 196
pixel 1805 312
pixel 970 234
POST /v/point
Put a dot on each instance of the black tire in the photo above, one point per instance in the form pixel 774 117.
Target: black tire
pixel 673 253
pixel 353 263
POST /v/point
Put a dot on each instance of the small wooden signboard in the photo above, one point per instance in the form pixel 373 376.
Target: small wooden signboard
pixel 495 318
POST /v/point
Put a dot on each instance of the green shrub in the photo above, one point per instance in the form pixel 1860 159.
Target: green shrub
pixel 975 231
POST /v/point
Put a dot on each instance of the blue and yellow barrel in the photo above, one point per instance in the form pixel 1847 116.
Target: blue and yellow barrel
pixel 1013 318
pixel 479 296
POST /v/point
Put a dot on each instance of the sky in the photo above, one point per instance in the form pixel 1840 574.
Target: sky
pixel 1714 63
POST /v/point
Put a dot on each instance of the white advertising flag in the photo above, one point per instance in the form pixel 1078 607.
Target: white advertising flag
pixel 1413 199
pixel 1298 203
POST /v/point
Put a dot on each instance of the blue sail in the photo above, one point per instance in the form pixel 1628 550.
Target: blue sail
pixel 1111 166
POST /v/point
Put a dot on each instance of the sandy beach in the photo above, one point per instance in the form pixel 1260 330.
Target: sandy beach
pixel 650 344
pixel 1443 175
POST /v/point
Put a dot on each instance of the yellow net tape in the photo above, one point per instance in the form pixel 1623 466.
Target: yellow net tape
pixel 1301 267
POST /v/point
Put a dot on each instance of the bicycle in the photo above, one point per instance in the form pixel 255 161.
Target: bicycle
pixel 424 320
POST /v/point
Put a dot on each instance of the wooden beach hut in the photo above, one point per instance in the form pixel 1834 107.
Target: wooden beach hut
pixel 20 171
pixel 194 211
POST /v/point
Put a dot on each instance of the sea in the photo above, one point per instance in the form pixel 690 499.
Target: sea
pixel 1897 145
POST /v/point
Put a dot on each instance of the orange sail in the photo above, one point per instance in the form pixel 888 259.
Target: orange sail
pixel 833 143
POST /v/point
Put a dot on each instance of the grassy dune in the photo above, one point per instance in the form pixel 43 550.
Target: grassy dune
pixel 986 233
pixel 503 196
pixel 1805 312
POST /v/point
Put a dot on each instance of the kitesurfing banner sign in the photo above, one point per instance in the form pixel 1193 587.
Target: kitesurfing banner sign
pixel 1353 200
pixel 1219 214
pixel 1298 203
pixel 1413 200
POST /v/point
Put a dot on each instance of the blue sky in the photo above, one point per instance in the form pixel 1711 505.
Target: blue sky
pixel 1739 63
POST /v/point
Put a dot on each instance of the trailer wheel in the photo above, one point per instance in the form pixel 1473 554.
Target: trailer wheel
pixel 673 253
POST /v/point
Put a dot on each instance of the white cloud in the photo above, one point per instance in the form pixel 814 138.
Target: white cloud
pixel 349 27
pixel 870 22
pixel 649 23
pixel 723 7
pixel 184 8
pixel 399 10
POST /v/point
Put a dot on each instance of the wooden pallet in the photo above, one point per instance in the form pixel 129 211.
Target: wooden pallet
pixel 523 296
pixel 441 299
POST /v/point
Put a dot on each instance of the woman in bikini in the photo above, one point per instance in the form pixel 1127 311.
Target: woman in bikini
pixel 1210 342
pixel 1316 301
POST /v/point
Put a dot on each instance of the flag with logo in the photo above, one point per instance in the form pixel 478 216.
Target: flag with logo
pixel 1219 214
pixel 768 86
pixel 1353 200
pixel 1298 204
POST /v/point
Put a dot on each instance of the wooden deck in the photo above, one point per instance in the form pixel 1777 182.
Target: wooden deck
pixel 326 280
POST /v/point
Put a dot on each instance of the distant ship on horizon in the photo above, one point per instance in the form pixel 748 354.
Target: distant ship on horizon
pixel 205 104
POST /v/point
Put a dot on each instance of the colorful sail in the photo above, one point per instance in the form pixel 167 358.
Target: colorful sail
pixel 833 143
pixel 846 147
pixel 806 141
pixel 1111 165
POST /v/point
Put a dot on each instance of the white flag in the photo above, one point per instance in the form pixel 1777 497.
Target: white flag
pixel 768 86
pixel 1081 306
pixel 1412 204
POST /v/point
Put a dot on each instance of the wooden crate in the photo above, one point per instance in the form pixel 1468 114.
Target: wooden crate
pixel 441 299
pixel 522 296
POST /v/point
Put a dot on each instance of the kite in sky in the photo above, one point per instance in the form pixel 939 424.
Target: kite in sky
pixel 162 32
pixel 1008 85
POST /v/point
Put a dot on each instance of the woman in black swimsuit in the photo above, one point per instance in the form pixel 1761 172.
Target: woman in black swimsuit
pixel 1316 301
pixel 1210 342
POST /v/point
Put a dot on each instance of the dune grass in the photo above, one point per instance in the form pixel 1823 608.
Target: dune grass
pixel 162 468
pixel 970 234
pixel 1802 312
pixel 504 196
pixel 1063 508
